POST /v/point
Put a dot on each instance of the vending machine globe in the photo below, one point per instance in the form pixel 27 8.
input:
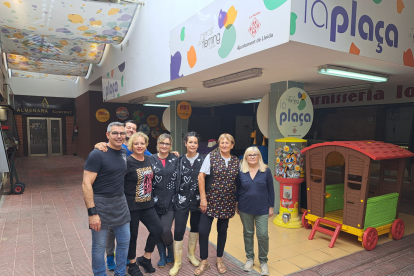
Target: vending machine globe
pixel 290 173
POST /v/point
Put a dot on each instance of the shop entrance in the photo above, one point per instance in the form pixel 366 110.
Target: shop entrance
pixel 44 136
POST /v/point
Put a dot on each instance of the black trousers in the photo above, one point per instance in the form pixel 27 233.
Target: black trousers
pixel 150 219
pixel 181 223
pixel 205 228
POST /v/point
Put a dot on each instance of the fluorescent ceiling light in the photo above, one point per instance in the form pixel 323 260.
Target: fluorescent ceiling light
pixel 156 105
pixel 252 101
pixel 342 89
pixel 240 76
pixel 172 92
pixel 138 100
pixel 351 73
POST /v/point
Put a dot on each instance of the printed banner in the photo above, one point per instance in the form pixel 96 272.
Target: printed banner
pixel 113 85
pixel 378 29
pixel 227 30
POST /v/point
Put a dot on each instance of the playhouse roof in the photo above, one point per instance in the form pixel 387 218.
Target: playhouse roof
pixel 373 149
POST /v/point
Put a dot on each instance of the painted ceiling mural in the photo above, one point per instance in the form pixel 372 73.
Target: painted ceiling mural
pixel 64 30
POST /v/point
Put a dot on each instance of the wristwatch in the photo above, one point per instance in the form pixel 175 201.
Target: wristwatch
pixel 92 211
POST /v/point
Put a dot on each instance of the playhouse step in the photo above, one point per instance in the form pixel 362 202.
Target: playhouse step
pixel 333 234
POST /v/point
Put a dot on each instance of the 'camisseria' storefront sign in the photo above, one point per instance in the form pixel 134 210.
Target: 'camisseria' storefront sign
pixel 376 96
pixel 378 29
pixel 45 106
pixel 294 113
pixel 227 30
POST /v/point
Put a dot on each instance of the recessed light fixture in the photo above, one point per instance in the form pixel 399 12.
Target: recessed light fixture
pixel 351 73
pixel 239 76
pixel 138 100
pixel 172 92
pixel 342 89
pixel 156 105
pixel 251 101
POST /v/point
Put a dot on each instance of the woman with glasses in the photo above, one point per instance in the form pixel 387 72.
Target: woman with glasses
pixel 164 166
pixel 217 199
pixel 138 192
pixel 255 198
pixel 188 200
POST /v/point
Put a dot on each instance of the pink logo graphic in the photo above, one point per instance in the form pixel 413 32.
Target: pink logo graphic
pixel 254 27
pixel 148 183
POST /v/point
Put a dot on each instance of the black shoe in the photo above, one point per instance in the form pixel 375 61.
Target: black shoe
pixel 146 264
pixel 133 270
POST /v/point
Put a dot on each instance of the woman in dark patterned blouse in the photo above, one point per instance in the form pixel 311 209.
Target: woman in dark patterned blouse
pixel 217 199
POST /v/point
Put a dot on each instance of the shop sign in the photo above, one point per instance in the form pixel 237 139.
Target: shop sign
pixel 294 113
pixel 122 113
pixel 45 106
pixel 377 29
pixel 227 30
pixel 184 110
pixel 144 128
pixel 113 83
pixel 380 95
pixel 102 115
pixel 156 132
pixel 152 121
pixel 137 116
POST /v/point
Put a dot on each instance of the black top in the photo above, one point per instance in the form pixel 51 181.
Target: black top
pixel 255 196
pixel 188 195
pixel 164 182
pixel 111 167
pixel 138 184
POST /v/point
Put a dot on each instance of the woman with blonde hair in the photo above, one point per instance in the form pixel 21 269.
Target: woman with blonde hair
pixel 138 193
pixel 217 199
pixel 255 197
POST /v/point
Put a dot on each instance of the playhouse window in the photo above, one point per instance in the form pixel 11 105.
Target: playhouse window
pixel 356 178
pixel 354 186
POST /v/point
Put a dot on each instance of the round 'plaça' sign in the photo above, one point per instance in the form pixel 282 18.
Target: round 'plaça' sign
pixel 294 113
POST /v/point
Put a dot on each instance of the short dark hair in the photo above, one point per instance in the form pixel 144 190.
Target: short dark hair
pixel 131 122
pixel 192 134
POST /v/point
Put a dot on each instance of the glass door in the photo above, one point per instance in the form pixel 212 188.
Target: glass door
pixel 44 136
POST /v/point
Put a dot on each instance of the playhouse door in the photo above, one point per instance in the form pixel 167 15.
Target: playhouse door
pixel 355 188
pixel 315 181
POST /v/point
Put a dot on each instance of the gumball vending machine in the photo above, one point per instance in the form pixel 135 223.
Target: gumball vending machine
pixel 290 173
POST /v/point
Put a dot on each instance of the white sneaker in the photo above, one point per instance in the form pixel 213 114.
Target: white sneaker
pixel 248 266
pixel 265 269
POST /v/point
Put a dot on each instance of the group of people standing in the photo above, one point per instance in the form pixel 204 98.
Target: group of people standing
pixel 125 186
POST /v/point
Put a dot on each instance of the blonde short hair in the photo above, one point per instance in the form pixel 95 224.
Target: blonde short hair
pixel 135 136
pixel 226 136
pixel 245 165
pixel 162 138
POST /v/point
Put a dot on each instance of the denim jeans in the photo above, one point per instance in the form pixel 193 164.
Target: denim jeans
pixel 261 222
pixel 122 236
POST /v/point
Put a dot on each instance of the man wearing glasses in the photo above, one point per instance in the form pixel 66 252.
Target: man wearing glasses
pixel 103 190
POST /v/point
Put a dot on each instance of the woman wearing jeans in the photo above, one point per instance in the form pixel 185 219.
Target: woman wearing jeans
pixel 255 198
pixel 217 199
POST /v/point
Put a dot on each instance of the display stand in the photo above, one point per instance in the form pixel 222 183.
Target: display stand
pixel 288 216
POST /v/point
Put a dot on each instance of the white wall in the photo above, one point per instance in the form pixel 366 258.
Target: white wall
pixel 146 47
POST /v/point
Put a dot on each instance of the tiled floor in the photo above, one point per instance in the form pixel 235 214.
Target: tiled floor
pixel 45 231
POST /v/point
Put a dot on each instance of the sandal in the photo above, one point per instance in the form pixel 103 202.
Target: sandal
pixel 203 267
pixel 221 267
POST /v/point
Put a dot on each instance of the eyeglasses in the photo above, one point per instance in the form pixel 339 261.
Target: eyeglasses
pixel 164 144
pixel 252 155
pixel 116 133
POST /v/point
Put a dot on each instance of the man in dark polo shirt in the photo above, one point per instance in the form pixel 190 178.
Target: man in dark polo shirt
pixel 103 190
